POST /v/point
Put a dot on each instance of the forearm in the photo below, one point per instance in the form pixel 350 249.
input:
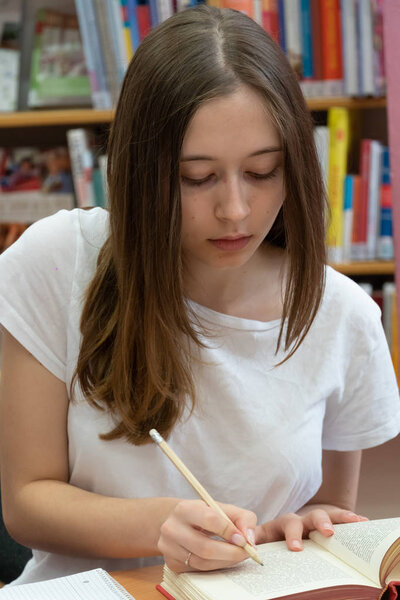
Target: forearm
pixel 57 517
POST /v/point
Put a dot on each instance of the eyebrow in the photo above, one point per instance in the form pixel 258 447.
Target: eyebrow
pixel 256 153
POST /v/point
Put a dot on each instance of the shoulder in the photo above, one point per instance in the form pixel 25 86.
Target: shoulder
pixel 60 237
pixel 345 300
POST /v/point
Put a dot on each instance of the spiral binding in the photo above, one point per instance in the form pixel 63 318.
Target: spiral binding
pixel 114 586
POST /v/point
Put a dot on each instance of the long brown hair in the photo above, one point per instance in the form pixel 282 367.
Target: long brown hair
pixel 134 358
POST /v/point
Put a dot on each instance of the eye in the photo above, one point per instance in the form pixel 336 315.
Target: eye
pixel 264 176
pixel 195 182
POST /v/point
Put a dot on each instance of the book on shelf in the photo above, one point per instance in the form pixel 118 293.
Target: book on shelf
pixel 88 168
pixel 58 70
pixel 361 560
pixel 34 183
pixel 10 40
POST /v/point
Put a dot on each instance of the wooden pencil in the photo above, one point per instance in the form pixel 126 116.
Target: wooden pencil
pixel 196 485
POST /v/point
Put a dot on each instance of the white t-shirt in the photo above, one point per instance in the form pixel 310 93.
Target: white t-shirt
pixel 256 438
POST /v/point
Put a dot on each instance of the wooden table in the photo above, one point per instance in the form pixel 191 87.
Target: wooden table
pixel 141 583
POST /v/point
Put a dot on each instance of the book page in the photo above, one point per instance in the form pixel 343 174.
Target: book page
pixel 96 584
pixel 284 573
pixel 363 544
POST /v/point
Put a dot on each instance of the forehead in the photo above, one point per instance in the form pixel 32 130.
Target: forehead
pixel 238 123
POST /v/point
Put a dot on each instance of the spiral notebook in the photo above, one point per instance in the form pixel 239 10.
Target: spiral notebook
pixel 96 584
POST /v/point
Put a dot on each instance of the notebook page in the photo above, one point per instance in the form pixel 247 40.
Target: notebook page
pixel 96 584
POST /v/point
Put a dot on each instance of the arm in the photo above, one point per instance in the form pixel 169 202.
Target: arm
pixel 42 510
pixel 333 503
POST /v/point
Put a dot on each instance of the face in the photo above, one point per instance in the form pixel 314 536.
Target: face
pixel 232 184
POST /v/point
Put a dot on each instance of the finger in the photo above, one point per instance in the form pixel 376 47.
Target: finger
pixel 245 521
pixel 346 516
pixel 293 530
pixel 199 515
pixel 318 519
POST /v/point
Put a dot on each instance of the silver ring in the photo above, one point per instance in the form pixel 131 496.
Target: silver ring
pixel 187 559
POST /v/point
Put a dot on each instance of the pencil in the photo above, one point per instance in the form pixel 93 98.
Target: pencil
pixel 196 485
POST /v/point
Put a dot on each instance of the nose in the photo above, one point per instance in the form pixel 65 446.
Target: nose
pixel 232 203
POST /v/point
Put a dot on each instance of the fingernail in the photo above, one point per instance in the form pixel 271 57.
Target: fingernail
pixel 238 540
pixel 296 544
pixel 327 527
pixel 251 536
pixel 363 518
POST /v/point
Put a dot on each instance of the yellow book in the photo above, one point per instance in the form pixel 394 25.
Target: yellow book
pixel 339 138
pixel 217 3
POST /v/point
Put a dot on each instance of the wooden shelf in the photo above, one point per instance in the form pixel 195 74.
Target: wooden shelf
pixel 365 268
pixel 83 116
pixel 41 118
pixel 355 103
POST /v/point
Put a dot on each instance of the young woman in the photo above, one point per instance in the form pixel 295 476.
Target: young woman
pixel 200 305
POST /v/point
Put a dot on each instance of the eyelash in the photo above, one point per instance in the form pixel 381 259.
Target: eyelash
pixel 199 182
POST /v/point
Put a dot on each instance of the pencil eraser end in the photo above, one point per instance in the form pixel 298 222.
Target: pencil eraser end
pixel 155 436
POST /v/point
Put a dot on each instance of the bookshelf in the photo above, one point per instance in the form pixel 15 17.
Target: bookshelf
pixel 77 116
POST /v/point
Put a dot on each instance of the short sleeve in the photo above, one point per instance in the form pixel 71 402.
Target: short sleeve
pixel 366 412
pixel 36 275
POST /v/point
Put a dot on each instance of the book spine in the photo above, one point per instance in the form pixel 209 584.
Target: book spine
pixel 349 47
pixel 281 20
pixel 270 20
pixel 111 66
pixel 365 169
pixel 317 47
pixel 93 53
pixel 306 40
pixel 388 291
pixel 366 47
pixel 293 35
pixel 144 19
pixel 332 64
pixel 348 216
pixel 82 166
pixel 339 131
pixel 245 6
pixel 373 198
pixel 356 233
pixel 378 47
pixel 164 9
pixel 385 240
pixel 121 49
pixel 133 23
pixel 257 10
pixel 36 51
pixel 321 139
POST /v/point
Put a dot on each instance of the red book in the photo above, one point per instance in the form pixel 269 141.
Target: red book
pixel 144 21
pixel 316 39
pixel 356 234
pixel 270 18
pixel 332 64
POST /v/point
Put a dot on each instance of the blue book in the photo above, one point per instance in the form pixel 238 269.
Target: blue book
pixel 306 40
pixel 281 21
pixel 385 239
pixel 133 23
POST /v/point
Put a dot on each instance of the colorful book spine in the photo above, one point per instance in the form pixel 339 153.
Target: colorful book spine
pixel 378 47
pixel 165 9
pixel 144 18
pixel 360 241
pixel 114 15
pixel 366 53
pixel 245 6
pixel 332 64
pixel 385 239
pixel 281 19
pixel 93 53
pixel 339 133
pixel 374 184
pixel 270 20
pixel 306 40
pixel 82 166
pixel 357 218
pixel 348 216
pixel 293 35
pixel 126 29
pixel 317 47
pixel 133 23
pixel 349 47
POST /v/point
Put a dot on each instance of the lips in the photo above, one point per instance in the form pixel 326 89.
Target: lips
pixel 231 242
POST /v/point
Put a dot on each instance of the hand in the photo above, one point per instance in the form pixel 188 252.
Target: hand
pixel 186 540
pixel 293 527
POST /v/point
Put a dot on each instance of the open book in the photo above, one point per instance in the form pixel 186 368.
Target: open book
pixel 360 561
